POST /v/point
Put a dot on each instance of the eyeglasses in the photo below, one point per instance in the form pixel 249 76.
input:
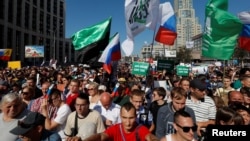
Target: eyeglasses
pixel 187 129
pixel 90 89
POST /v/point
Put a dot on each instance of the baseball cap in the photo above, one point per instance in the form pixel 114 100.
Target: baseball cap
pixel 197 83
pixel 4 83
pixel 102 87
pixel 33 119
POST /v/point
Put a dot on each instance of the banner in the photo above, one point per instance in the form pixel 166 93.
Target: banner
pixel 140 68
pixel 34 51
pixel 182 70
pixel 14 64
pixel 165 65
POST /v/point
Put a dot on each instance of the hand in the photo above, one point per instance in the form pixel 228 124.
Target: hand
pixel 73 139
pixel 44 104
pixel 108 122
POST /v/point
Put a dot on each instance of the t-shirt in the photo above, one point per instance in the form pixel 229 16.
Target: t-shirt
pixel 5 127
pixel 61 117
pixel 93 117
pixel 115 133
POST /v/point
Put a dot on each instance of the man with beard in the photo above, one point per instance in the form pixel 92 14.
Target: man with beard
pixel 165 116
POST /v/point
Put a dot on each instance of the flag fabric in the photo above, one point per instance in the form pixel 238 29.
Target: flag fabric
pixel 91 41
pixel 43 63
pixel 65 59
pixel 167 31
pixel 5 54
pixel 244 39
pixel 221 31
pixel 111 53
pixel 139 15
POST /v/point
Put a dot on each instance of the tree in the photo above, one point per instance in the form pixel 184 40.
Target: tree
pixel 184 55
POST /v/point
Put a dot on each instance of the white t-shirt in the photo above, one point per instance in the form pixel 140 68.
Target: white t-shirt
pixel 61 117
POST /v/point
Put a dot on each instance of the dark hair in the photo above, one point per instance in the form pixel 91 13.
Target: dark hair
pixel 182 113
pixel 128 106
pixel 84 96
pixel 225 114
pixel 54 92
pixel 160 91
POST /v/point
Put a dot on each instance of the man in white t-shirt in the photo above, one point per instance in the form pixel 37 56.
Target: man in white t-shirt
pixel 109 111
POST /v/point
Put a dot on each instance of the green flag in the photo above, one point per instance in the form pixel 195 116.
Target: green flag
pixel 90 35
pixel 221 31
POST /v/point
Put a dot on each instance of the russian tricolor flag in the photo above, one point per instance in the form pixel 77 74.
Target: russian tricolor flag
pixel 167 31
pixel 244 38
pixel 111 53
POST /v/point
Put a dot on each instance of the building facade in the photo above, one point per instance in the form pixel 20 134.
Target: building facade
pixel 187 24
pixel 35 22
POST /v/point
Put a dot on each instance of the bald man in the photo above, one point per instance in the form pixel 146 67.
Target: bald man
pixel 109 111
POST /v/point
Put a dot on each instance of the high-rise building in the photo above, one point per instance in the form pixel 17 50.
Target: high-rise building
pixel 187 23
pixel 34 22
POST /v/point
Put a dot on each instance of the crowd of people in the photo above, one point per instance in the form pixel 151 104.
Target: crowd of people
pixel 80 103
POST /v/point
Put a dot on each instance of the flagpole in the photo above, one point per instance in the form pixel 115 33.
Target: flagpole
pixel 153 41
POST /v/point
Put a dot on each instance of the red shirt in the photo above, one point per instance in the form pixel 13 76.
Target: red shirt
pixel 114 133
pixel 71 99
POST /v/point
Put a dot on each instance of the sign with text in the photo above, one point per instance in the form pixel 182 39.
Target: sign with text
pixel 182 70
pixel 140 68
pixel 170 53
pixel 165 65
pixel 34 51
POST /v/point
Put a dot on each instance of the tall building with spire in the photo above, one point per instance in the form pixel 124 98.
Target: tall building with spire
pixel 187 23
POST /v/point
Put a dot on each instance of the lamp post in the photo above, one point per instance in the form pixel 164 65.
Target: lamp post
pixel 54 43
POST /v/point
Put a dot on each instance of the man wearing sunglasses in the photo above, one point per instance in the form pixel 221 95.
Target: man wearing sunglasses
pixel 185 128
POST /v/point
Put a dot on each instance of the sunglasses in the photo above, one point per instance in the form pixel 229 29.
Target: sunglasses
pixel 90 89
pixel 187 129
pixel 25 93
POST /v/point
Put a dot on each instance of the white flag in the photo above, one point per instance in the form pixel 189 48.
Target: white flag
pixel 139 14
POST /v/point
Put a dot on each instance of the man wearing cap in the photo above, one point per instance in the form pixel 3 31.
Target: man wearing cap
pixel 203 105
pixel 32 128
pixel 4 87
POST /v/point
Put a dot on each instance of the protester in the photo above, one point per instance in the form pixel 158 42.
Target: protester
pixel 13 109
pixel 27 94
pixel 58 122
pixel 73 93
pixel 32 128
pixel 83 122
pixel 94 95
pixel 109 111
pixel 203 105
pixel 165 116
pixel 144 116
pixel 159 94
pixel 128 130
pixel 185 128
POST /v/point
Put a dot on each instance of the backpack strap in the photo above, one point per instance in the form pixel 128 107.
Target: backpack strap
pixel 76 125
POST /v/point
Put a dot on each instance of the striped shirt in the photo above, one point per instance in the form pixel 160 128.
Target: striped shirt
pixel 203 109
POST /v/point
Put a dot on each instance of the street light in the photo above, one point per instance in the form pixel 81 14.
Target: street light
pixel 54 41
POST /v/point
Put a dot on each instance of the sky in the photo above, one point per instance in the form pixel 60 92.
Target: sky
pixel 85 13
